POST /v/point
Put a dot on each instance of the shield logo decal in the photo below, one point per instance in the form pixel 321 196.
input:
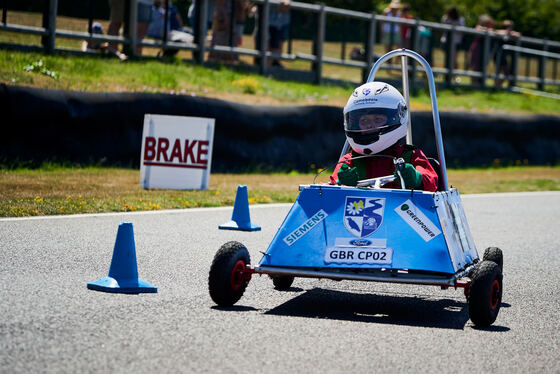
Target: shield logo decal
pixel 363 216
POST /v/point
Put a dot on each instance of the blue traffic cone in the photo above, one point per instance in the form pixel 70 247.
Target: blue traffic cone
pixel 240 219
pixel 123 273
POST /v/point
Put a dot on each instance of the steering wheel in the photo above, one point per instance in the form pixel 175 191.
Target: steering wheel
pixel 381 181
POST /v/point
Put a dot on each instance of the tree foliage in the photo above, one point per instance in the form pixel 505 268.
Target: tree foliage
pixel 536 18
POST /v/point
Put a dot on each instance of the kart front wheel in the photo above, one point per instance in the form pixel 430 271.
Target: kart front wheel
pixel 485 294
pixel 228 277
pixel 494 254
pixel 282 283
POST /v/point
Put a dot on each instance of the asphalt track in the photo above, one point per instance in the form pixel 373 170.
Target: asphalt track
pixel 50 321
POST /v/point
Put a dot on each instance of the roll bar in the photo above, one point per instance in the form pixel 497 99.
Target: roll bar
pixel 404 53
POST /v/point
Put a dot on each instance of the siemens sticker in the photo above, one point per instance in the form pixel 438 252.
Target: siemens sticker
pixel 417 220
pixel 305 227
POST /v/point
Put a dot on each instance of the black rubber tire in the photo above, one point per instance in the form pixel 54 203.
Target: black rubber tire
pixel 224 289
pixel 494 254
pixel 282 283
pixel 471 273
pixel 485 294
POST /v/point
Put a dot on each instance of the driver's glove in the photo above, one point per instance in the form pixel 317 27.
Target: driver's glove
pixel 412 177
pixel 347 176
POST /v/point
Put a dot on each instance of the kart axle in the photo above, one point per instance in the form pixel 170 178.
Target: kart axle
pixel 379 277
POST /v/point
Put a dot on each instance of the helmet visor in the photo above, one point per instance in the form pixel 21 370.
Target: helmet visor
pixel 371 119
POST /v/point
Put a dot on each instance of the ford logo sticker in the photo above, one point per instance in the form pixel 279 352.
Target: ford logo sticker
pixel 360 242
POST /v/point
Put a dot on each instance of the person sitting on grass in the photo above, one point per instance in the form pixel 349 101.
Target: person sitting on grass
pixel 375 121
pixel 94 46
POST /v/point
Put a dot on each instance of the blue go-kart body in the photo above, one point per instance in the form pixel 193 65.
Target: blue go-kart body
pixel 373 234
pixel 369 233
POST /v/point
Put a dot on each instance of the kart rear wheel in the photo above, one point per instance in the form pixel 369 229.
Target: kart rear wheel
pixel 485 294
pixel 282 283
pixel 228 279
pixel 494 254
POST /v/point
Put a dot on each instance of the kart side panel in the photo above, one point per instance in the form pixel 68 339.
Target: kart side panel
pixel 327 217
pixel 455 228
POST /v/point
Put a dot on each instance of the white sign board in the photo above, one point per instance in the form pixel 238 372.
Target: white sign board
pixel 176 152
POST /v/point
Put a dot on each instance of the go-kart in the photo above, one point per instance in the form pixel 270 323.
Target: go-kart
pixel 370 233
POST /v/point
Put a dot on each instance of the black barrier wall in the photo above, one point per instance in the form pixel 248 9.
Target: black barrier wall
pixel 46 125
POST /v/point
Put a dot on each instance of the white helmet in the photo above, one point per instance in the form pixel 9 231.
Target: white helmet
pixel 375 117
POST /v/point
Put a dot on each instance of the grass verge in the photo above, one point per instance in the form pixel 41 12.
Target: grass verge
pixel 233 83
pixel 27 192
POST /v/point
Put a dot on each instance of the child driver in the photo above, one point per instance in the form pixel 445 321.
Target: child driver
pixel 375 121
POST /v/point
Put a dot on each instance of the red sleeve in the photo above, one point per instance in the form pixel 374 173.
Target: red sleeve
pixel 429 175
pixel 343 160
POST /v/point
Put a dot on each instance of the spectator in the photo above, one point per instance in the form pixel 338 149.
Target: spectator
pixel 503 59
pixel 425 46
pixel 116 19
pixel 241 7
pixel 222 30
pixel 358 54
pixel 485 23
pixel 90 45
pixel 390 30
pixel 94 46
pixel 156 26
pixel 175 32
pixel 278 29
pixel 406 30
pixel 220 26
pixel 279 19
pixel 175 20
pixel 209 16
pixel 452 17
pixel 144 16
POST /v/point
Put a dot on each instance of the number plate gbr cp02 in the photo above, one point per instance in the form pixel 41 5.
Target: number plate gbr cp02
pixel 358 255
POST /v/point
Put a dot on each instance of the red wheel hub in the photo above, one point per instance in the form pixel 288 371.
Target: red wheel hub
pixel 466 287
pixel 238 275
pixel 495 294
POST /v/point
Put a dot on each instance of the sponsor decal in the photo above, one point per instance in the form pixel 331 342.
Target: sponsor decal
pixel 369 100
pixel 183 153
pixel 381 90
pixel 402 109
pixel 417 220
pixel 363 216
pixel 366 91
pixel 360 242
pixel 305 227
pixel 358 255
pixel 355 93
